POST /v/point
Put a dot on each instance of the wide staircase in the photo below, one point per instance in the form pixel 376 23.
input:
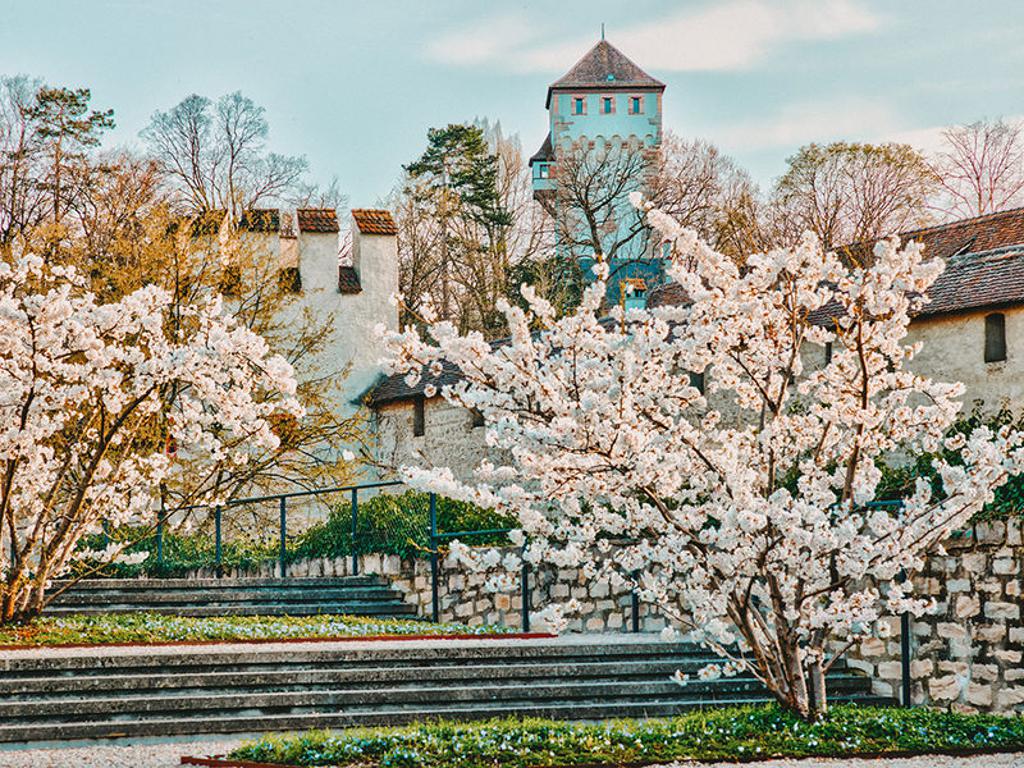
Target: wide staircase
pixel 150 692
pixel 353 595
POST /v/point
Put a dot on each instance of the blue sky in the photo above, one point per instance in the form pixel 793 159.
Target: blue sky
pixel 354 86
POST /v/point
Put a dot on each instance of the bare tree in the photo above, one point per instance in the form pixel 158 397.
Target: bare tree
pixel 980 168
pixel 214 155
pixel 23 202
pixel 847 193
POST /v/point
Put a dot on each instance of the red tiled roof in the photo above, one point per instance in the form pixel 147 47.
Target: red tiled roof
pixel 977 281
pixel 982 233
pixel 373 221
pixel 317 219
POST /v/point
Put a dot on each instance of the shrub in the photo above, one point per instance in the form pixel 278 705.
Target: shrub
pixel 396 524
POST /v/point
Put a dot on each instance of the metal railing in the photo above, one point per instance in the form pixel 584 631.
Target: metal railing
pixel 435 537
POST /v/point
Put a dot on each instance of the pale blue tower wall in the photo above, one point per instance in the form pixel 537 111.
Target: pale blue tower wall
pixel 594 125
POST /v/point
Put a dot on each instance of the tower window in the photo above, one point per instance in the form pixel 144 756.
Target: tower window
pixel 543 170
pixel 828 352
pixel 579 106
pixel 476 418
pixel 636 105
pixel 419 420
pixel 995 337
pixel 607 105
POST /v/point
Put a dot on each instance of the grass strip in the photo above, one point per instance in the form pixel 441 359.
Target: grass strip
pixel 736 733
pixel 149 628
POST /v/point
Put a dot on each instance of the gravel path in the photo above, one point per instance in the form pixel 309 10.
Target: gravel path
pixel 167 754
pixel 134 755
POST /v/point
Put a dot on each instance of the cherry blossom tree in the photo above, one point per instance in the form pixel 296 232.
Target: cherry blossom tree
pixel 87 429
pixel 741 508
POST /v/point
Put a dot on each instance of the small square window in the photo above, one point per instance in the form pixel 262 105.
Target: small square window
pixel 543 170
pixel 578 106
pixel 607 105
pixel 476 418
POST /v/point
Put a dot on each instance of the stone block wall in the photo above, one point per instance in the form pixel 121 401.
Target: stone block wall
pixel 968 653
pixel 464 598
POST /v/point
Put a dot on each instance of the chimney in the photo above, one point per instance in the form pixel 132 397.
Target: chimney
pixel 371 263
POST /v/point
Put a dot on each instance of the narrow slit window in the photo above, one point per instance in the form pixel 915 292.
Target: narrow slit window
pixel 995 338
pixel 418 417
pixel 828 352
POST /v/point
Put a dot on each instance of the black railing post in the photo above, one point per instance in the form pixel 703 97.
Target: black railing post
pixel 435 598
pixel 634 610
pixel 284 535
pixel 217 539
pixel 524 579
pixel 905 697
pixel 355 528
pixel 160 534
pixel 905 658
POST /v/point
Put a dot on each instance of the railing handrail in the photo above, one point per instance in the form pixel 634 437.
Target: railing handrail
pixel 289 495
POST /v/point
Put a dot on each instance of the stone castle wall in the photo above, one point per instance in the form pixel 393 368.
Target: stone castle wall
pixel 968 653
pixel 464 598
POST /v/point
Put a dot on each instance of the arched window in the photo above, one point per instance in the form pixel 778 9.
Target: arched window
pixel 995 337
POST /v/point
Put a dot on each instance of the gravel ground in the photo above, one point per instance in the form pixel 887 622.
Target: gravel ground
pixel 165 755
pixel 136 755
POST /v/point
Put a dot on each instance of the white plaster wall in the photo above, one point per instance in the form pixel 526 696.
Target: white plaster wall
pixel 953 350
pixel 449 438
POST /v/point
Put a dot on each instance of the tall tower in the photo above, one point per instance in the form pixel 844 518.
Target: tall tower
pixel 605 103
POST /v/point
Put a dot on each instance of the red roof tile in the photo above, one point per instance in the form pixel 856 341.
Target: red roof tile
pixel 372 221
pixel 317 219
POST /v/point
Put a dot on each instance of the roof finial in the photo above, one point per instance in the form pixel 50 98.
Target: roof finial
pixel 602 30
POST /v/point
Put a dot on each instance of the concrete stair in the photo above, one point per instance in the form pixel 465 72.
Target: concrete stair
pixel 351 595
pixel 149 692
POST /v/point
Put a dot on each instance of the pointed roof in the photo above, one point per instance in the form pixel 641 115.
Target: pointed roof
pixel 604 66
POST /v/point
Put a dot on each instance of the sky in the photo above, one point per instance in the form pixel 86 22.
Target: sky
pixel 354 86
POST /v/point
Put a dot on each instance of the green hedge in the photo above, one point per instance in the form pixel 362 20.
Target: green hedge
pixel 390 524
pixel 396 525
pixel 897 482
pixel 734 734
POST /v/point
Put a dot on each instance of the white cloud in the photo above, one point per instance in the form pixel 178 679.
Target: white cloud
pixel 729 35
pixel 820 121
pixel 494 39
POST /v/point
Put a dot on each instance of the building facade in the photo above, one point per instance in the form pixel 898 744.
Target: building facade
pixel 604 132
pixel 972 331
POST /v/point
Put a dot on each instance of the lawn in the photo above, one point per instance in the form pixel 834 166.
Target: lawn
pixel 718 734
pixel 107 629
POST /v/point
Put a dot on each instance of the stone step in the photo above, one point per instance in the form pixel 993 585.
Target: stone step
pixel 399 654
pixel 227 597
pixel 270 582
pixel 179 683
pixel 371 699
pixel 353 595
pixel 380 608
pixel 249 721
pixel 106 693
